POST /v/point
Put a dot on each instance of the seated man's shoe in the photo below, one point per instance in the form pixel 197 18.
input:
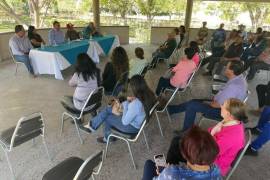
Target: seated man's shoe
pixel 101 140
pixel 251 152
pixel 79 121
pixel 87 128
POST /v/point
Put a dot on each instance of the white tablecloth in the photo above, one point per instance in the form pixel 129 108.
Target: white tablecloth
pixel 44 62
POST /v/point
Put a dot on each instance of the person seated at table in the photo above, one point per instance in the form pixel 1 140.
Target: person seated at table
pixel 199 149
pixel 255 49
pixel 218 40
pixel 202 34
pixel 262 130
pixel 56 36
pixel 20 46
pixel 262 62
pixel 85 80
pixel 113 70
pixel 233 52
pixel 34 37
pixel 229 134
pixel 181 73
pixel 71 33
pixel 165 50
pixel 236 87
pixel 128 116
pixel 90 30
pixel 137 65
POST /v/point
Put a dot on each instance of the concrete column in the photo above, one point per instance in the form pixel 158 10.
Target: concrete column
pixel 188 16
pixel 188 13
pixel 96 13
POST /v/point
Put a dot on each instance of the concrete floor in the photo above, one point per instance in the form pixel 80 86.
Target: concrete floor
pixel 22 95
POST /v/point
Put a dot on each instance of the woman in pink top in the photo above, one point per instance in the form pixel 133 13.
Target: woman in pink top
pixel 229 133
pixel 182 72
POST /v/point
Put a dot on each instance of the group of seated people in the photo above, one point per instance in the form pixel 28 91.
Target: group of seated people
pixel 252 50
pixel 20 44
pixel 194 153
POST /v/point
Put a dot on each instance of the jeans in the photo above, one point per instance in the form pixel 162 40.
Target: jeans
pixel 156 55
pixel 263 93
pixel 163 83
pixel 149 170
pixel 255 66
pixel 25 59
pixel 111 121
pixel 191 108
pixel 212 63
pixel 264 127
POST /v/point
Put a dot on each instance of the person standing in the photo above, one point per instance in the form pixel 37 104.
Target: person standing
pixel 20 47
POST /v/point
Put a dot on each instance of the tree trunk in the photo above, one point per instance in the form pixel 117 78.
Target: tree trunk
pixel 10 12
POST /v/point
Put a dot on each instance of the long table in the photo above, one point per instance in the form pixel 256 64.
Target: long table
pixel 53 59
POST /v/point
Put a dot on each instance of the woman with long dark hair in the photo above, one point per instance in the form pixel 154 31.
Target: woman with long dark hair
pixel 127 116
pixel 86 79
pixel 114 69
pixel 34 37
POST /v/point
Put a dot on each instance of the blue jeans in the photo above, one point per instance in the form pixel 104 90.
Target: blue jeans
pixel 156 55
pixel 264 127
pixel 111 121
pixel 163 83
pixel 25 59
pixel 149 170
pixel 191 108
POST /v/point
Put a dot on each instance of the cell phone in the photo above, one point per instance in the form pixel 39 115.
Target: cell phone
pixel 160 160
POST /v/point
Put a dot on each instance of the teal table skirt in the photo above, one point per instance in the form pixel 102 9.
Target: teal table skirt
pixel 71 50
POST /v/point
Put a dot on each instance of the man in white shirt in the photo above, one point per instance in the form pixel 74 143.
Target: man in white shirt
pixel 56 36
pixel 20 47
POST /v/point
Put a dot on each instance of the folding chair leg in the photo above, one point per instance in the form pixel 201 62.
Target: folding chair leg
pixel 9 165
pixel 107 146
pixel 131 155
pixel 62 124
pixel 93 177
pixel 46 147
pixel 160 129
pixel 168 114
pixel 16 69
pixel 146 142
pixel 78 131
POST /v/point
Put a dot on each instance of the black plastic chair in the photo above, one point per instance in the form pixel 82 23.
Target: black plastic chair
pixel 92 103
pixel 75 168
pixel 27 129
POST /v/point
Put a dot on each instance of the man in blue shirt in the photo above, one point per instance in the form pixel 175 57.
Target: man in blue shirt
pixel 56 36
pixel 236 87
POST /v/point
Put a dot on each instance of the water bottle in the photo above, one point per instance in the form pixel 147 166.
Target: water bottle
pixel 54 43
pixel 68 40
pixel 42 46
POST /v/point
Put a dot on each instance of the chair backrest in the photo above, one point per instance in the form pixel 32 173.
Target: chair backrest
pixel 144 70
pixel 189 81
pixel 171 98
pixel 11 54
pixel 27 128
pixel 240 154
pixel 94 99
pixel 145 121
pixel 87 168
pixel 120 84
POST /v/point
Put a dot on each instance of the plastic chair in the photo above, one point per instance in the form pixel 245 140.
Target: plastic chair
pixel 75 168
pixel 27 129
pixel 240 155
pixel 131 137
pixel 14 60
pixel 92 103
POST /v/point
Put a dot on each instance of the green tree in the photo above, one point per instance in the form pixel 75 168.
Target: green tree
pixel 122 7
pixel 150 8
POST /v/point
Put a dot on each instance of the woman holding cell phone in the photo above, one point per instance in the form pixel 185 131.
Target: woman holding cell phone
pixel 127 116
pixel 198 148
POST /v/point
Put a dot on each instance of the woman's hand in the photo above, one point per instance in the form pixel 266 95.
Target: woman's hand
pixel 217 128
